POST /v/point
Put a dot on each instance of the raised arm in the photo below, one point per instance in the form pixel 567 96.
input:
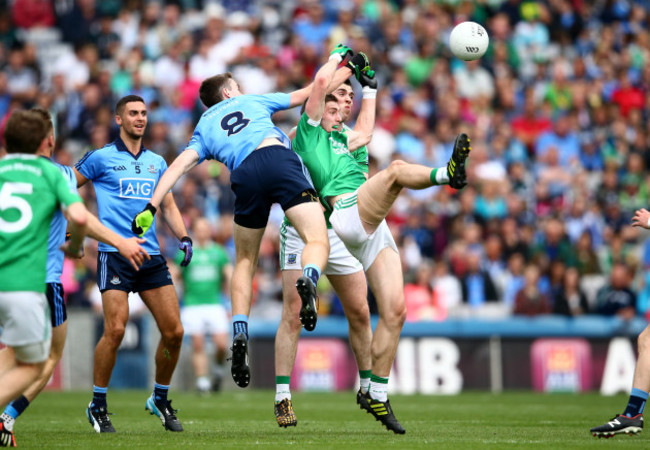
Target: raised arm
pixel 322 80
pixel 339 53
pixel 181 165
pixel 362 133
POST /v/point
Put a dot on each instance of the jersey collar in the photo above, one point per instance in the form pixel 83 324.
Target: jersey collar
pixel 121 146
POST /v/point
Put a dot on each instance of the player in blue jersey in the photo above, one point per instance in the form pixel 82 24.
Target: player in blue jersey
pixel 124 175
pixel 129 248
pixel 237 130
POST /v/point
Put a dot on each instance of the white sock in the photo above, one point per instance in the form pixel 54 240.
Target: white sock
pixel 442 176
pixel 282 391
pixel 379 391
pixel 364 384
pixel 203 383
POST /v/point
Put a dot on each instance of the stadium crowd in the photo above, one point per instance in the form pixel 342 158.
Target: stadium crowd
pixel 556 111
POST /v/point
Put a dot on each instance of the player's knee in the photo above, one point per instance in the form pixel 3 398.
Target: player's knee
pixel 393 168
pixel 114 334
pixel 173 337
pixel 395 315
pixel 359 316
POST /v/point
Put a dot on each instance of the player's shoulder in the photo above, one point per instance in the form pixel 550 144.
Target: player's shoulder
pixel 97 153
pixel 151 156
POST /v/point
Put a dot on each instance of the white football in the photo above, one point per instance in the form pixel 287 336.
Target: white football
pixel 468 41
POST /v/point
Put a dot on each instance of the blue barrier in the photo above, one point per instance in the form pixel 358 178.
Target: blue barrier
pixel 514 327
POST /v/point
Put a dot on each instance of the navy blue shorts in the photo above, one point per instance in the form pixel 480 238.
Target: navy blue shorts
pixel 54 294
pixel 115 272
pixel 269 175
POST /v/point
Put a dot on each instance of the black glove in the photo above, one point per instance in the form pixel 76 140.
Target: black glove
pixel 358 63
pixel 186 246
pixel 143 220
pixel 368 79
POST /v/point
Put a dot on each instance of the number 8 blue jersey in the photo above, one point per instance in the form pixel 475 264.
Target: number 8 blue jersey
pixel 124 184
pixel 232 129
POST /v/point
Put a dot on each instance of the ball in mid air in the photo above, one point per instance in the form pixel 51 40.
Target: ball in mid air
pixel 468 41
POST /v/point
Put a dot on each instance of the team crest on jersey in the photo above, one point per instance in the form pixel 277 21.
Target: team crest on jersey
pixel 151 169
pixel 291 258
pixel 116 280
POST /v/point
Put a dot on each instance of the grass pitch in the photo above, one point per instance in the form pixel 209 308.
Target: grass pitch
pixel 244 419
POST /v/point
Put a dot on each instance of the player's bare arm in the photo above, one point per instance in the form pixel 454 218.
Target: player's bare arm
pixel 76 214
pixel 129 248
pixel 181 165
pixel 173 216
pixel 81 180
pixel 361 135
pixel 316 103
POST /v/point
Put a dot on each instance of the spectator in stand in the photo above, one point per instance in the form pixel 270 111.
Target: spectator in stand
pixel 32 13
pixel 530 300
pixel 617 298
pixel 570 300
pixel 478 287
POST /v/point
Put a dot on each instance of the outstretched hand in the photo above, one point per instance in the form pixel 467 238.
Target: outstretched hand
pixel 341 53
pixel 641 218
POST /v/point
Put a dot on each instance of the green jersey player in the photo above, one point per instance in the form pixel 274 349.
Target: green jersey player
pixel 203 311
pixel 31 190
pixel 358 209
pixel 346 275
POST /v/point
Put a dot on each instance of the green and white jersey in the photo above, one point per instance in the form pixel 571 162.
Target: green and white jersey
pixel 31 189
pixel 360 156
pixel 332 167
pixel 203 278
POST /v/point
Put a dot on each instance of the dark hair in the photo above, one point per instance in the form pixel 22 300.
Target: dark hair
pixel 24 132
pixel 348 82
pixel 121 103
pixel 45 115
pixel 210 90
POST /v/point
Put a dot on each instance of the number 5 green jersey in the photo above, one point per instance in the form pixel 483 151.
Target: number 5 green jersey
pixel 31 189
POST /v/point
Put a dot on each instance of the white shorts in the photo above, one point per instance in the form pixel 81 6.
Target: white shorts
pixel 347 224
pixel 26 324
pixel 339 261
pixel 204 319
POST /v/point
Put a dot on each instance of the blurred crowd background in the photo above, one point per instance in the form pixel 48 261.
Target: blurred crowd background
pixel 556 111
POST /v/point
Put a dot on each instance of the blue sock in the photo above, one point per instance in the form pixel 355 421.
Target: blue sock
pixel 240 324
pixel 160 391
pixel 17 407
pixel 99 397
pixel 312 272
pixel 636 403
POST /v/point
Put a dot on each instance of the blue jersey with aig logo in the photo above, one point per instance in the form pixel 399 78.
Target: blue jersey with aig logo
pixel 124 184
pixel 232 129
pixel 56 239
